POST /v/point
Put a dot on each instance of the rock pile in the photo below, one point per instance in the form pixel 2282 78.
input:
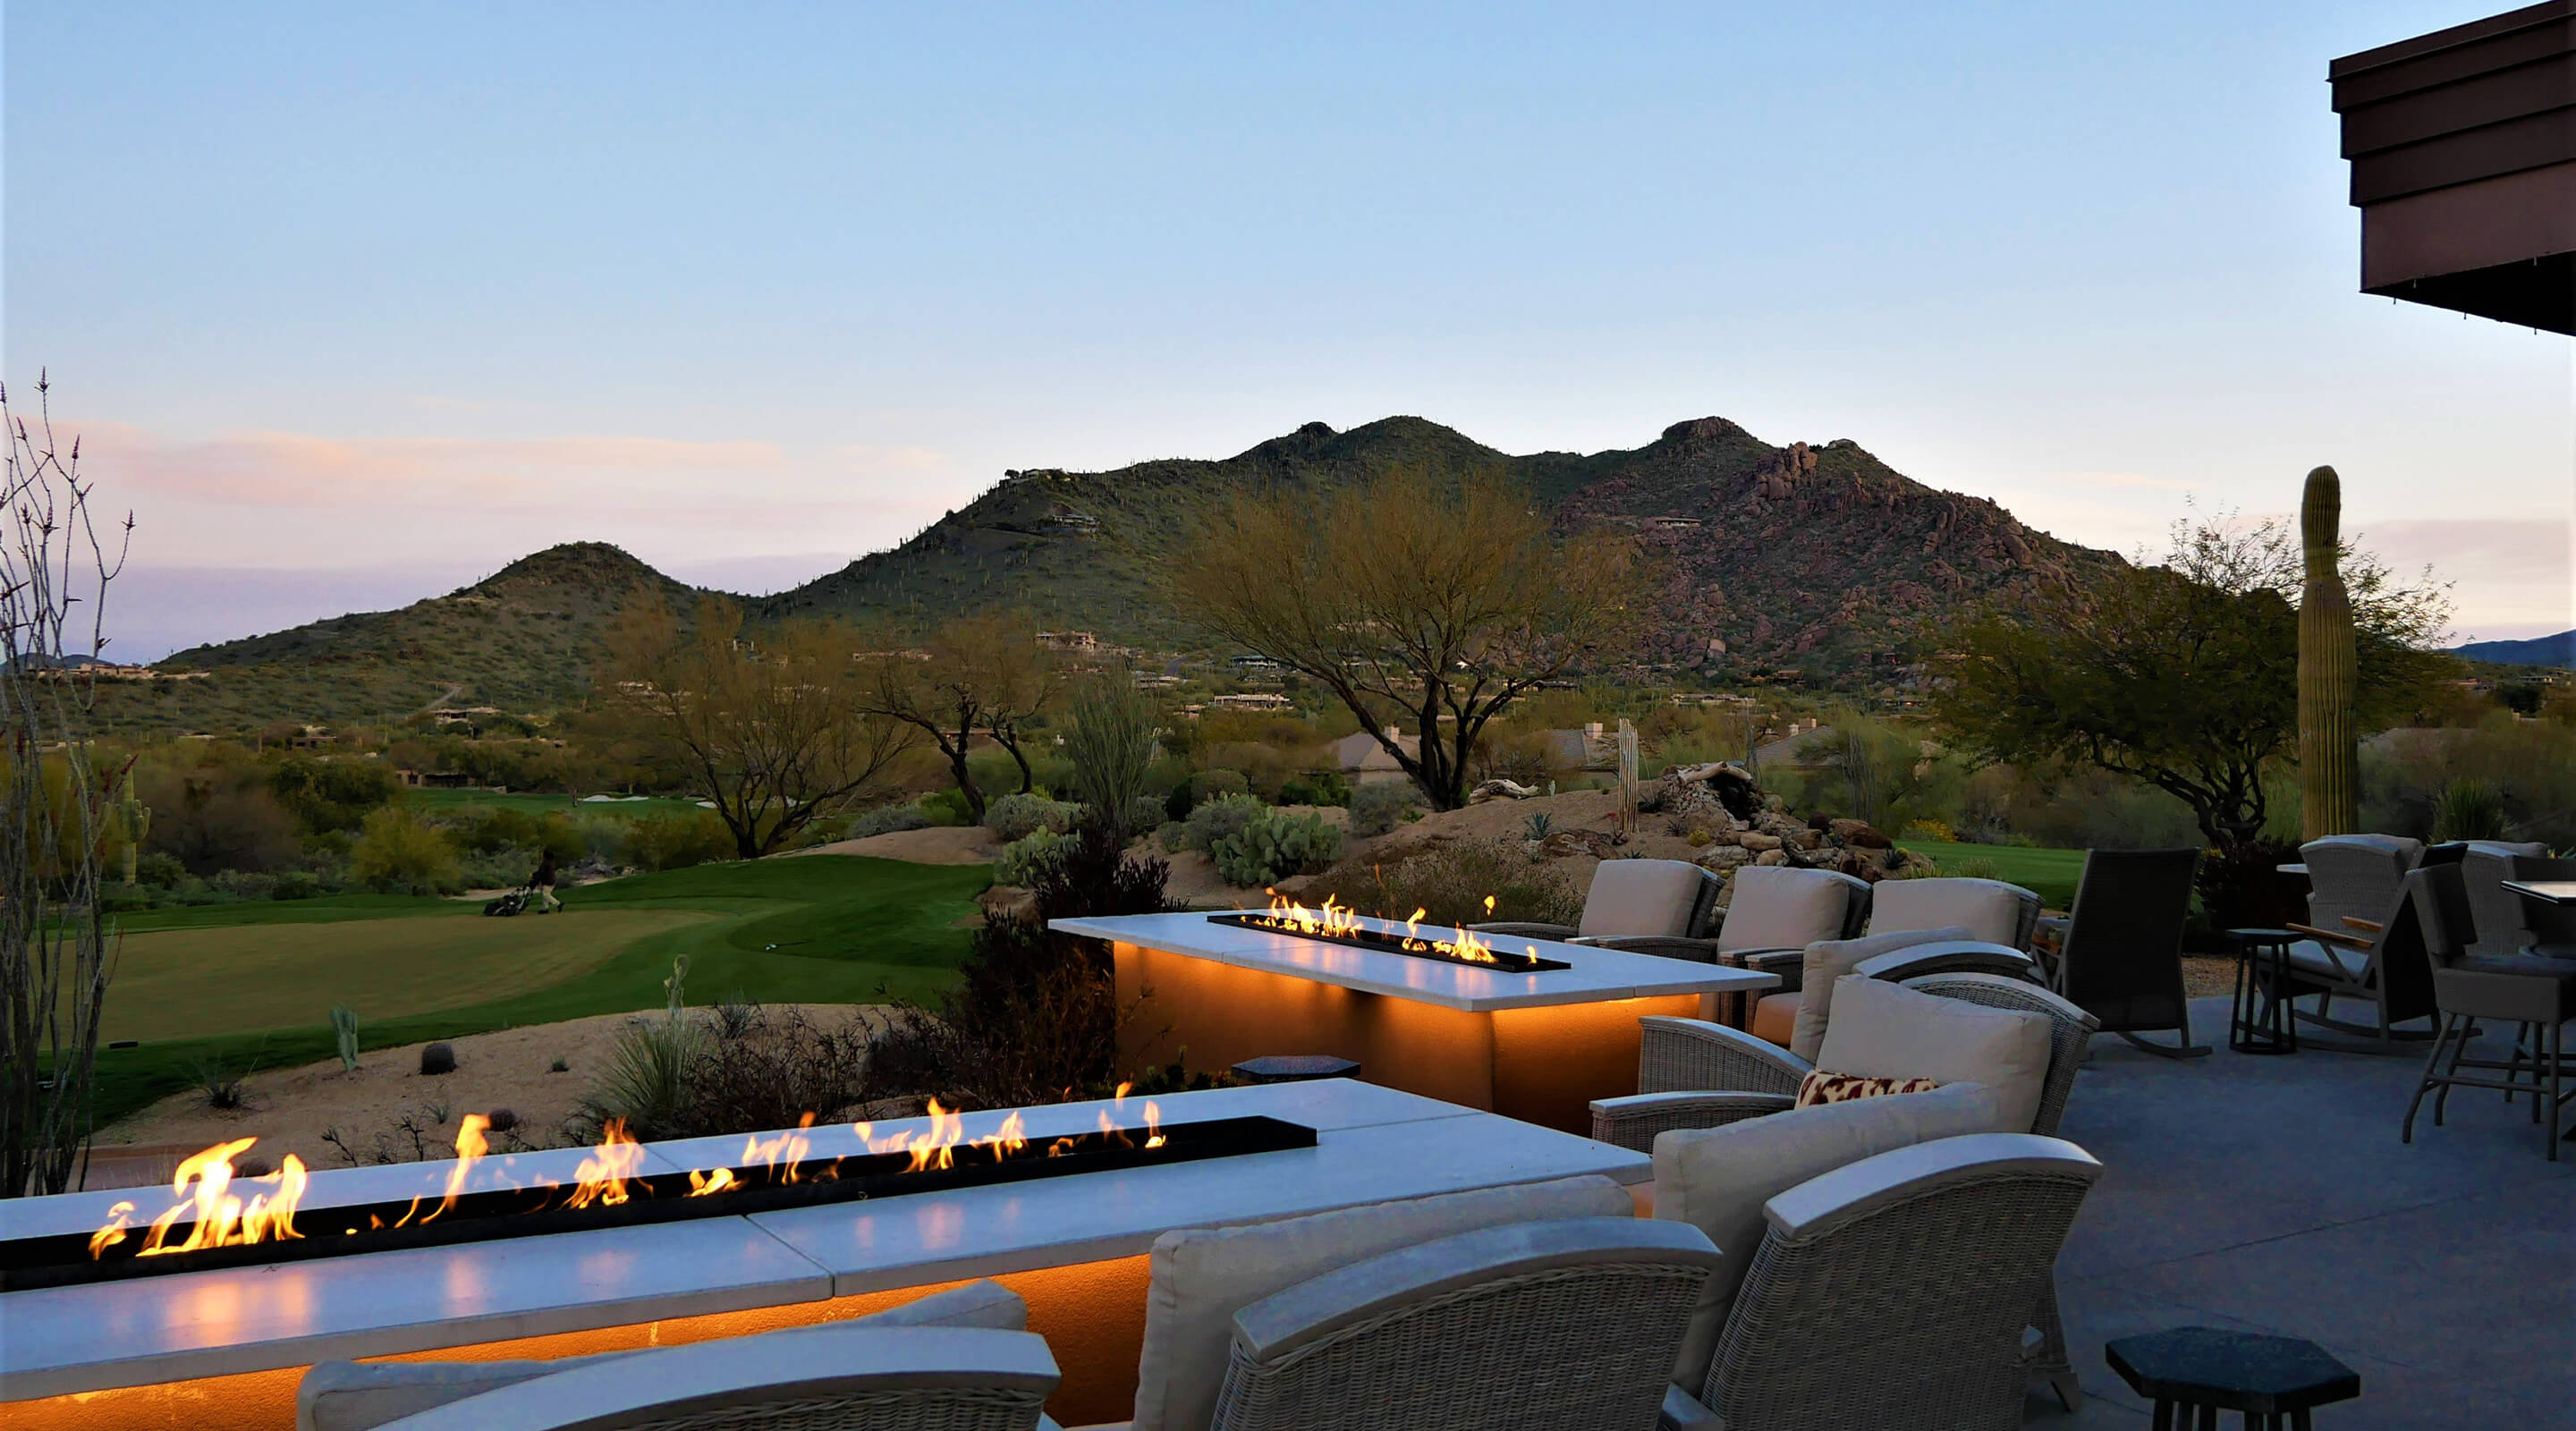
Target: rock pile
pixel 1722 810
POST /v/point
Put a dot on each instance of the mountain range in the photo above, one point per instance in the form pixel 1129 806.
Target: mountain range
pixel 2558 650
pixel 1819 558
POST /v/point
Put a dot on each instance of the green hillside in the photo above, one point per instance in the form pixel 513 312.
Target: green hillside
pixel 1819 558
pixel 522 639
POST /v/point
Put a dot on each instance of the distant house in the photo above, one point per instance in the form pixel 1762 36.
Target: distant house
pixel 1254 701
pixel 1360 756
pixel 1069 640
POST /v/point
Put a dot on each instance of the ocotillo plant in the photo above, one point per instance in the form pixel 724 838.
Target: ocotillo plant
pixel 344 1027
pixel 2329 752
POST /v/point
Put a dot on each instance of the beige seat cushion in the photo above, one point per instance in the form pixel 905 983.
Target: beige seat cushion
pixel 1828 961
pixel 1988 909
pixel 1775 1017
pixel 1717 1179
pixel 2330 960
pixel 1201 1277
pixel 1643 897
pixel 358 1396
pixel 1883 1030
pixel 1777 907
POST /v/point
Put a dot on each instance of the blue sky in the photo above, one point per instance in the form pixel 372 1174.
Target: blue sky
pixel 360 302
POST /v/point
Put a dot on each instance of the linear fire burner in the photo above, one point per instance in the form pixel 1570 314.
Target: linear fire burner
pixel 1386 942
pixel 70 1258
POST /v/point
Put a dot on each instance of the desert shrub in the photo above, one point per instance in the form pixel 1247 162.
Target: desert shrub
pixel 1934 831
pixel 1381 805
pixel 437 1059
pixel 211 818
pixel 397 850
pixel 1034 1017
pixel 1451 882
pixel 1203 786
pixel 1273 846
pixel 1016 817
pixel 1213 820
pixel 1109 748
pixel 506 869
pixel 1973 867
pixel 644 1081
pixel 1323 788
pixel 2468 809
pixel 947 807
pixel 678 840
pixel 603 838
pixel 885 820
pixel 333 794
pixel 484 830
pixel 1145 812
pixel 2245 889
pixel 1025 859
pixel 772 1069
pixel 158 868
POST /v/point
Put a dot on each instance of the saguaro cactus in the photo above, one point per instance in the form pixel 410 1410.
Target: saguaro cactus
pixel 2329 750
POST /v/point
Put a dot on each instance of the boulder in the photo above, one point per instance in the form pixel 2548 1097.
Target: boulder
pixel 1722 858
pixel 1805 840
pixel 1760 843
pixel 1772 857
pixel 1861 833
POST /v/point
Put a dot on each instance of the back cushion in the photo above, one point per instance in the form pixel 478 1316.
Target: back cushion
pixel 1883 1030
pixel 359 1396
pixel 1642 897
pixel 1776 907
pixel 1827 962
pixel 1988 909
pixel 1202 1276
pixel 1717 1179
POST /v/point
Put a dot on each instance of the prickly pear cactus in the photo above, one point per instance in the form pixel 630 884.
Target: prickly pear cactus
pixel 344 1028
pixel 2329 750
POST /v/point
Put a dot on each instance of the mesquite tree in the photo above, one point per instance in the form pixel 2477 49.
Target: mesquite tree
pixel 2329 747
pixel 2183 674
pixel 1444 598
pixel 57 815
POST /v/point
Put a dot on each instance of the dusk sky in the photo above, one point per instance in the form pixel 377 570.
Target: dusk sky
pixel 355 304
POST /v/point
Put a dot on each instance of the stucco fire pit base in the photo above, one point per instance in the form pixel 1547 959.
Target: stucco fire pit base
pixel 222 1349
pixel 1535 1046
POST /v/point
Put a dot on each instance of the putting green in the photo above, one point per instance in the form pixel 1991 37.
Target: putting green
pixel 248 978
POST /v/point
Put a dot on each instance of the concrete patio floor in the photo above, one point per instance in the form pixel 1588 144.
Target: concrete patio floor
pixel 2272 1195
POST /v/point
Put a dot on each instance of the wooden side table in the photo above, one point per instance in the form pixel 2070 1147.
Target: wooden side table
pixel 2272 1382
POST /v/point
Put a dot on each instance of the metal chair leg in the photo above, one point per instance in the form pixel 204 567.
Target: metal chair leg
pixel 2459 1050
pixel 2556 1045
pixel 2430 1076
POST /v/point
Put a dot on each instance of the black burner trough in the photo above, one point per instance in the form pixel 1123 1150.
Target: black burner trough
pixel 65 1259
pixel 1415 946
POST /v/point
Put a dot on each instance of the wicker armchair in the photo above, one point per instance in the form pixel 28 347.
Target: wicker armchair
pixel 1705 1075
pixel 828 1379
pixel 1568 1324
pixel 1696 1074
pixel 1989 909
pixel 1892 1293
pixel 1664 907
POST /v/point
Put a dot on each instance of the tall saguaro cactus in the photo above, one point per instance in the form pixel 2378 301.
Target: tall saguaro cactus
pixel 2329 750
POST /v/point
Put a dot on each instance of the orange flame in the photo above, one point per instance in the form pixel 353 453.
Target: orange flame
pixel 781 1153
pixel 1006 1140
pixel 223 1220
pixel 936 1149
pixel 602 1175
pixel 110 1232
pixel 701 1184
pixel 1153 1126
pixel 470 1148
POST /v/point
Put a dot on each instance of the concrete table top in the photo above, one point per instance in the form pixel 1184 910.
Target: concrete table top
pixel 1374 1144
pixel 1598 975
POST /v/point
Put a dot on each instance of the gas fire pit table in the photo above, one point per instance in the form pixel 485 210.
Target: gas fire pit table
pixel 1536 1035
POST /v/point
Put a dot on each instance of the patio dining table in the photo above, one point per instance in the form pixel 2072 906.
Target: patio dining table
pixel 2548 891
